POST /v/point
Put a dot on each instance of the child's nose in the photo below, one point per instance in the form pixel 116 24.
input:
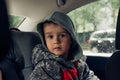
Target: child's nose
pixel 56 40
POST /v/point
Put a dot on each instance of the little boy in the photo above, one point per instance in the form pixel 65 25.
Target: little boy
pixel 60 56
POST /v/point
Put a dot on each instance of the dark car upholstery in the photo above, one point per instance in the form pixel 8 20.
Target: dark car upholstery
pixel 97 64
pixel 7 67
pixel 113 67
pixel 23 43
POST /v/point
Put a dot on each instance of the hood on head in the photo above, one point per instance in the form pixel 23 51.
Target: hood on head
pixel 63 20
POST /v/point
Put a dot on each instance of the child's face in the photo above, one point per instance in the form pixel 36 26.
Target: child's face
pixel 57 39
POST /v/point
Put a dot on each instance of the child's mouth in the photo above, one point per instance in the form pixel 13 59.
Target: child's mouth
pixel 57 48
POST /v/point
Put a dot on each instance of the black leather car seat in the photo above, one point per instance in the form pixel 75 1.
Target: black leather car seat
pixel 23 43
pixel 113 67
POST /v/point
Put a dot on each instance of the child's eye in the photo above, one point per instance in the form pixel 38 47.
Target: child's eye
pixel 49 36
pixel 62 35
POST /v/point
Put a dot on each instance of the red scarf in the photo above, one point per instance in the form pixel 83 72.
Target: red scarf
pixel 70 74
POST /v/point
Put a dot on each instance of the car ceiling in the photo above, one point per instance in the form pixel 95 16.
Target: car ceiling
pixel 39 9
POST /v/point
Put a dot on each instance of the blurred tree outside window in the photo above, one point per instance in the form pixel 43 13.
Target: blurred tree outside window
pixel 98 15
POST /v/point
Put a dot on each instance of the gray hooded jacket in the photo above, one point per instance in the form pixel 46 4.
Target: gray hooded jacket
pixel 50 67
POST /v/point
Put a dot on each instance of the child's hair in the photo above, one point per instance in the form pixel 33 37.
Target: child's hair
pixel 14 29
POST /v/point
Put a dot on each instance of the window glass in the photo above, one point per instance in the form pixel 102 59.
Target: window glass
pixel 15 21
pixel 95 24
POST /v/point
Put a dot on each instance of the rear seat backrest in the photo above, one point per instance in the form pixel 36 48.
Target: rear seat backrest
pixel 25 42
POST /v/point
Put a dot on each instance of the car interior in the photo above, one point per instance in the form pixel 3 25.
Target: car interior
pixel 113 64
pixel 23 41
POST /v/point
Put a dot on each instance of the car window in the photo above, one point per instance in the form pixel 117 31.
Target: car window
pixel 15 21
pixel 95 24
